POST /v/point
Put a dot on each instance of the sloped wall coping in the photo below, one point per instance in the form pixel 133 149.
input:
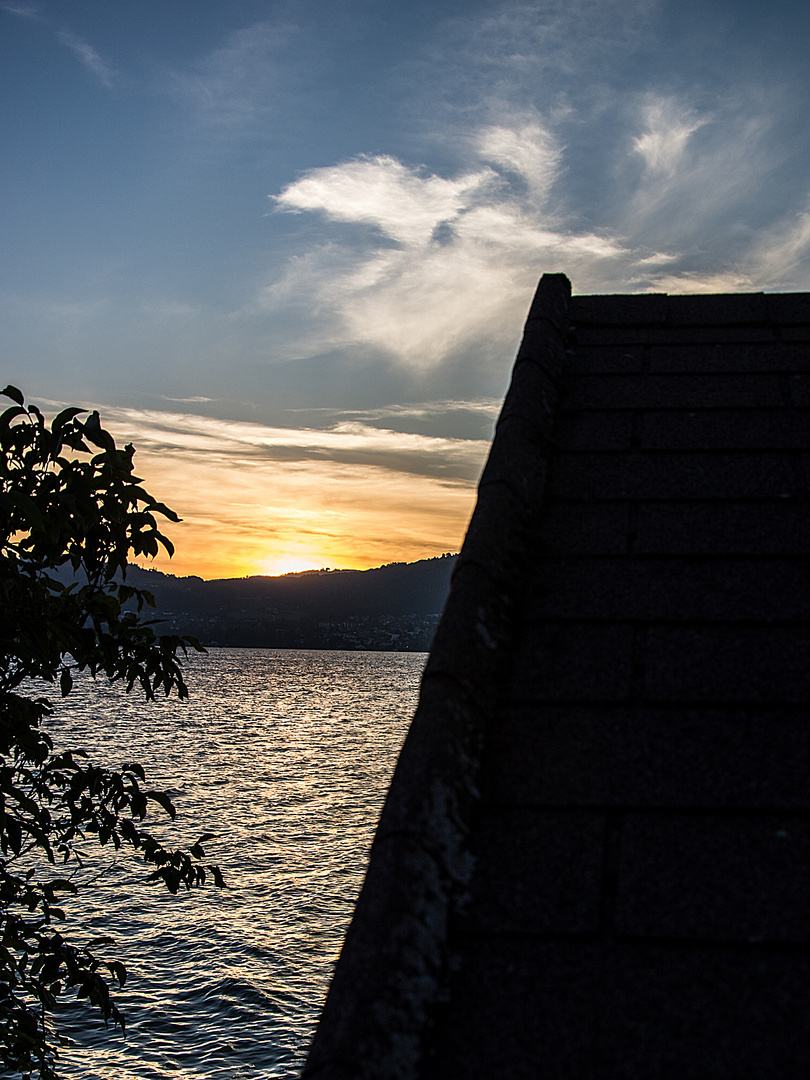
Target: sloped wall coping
pixel 392 970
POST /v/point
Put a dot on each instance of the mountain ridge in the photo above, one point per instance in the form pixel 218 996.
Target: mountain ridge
pixel 391 607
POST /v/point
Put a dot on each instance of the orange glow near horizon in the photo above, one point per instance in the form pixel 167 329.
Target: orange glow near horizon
pixel 273 541
pixel 245 513
pixel 376 527
pixel 288 562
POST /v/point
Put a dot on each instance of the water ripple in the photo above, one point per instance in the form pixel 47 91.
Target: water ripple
pixel 286 757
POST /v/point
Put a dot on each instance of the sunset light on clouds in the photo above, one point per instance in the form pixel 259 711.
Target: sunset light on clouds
pixel 274 500
pixel 287 249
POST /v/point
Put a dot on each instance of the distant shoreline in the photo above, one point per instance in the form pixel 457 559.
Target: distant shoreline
pixel 393 608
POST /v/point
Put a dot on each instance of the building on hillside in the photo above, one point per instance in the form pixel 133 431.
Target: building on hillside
pixel 594 859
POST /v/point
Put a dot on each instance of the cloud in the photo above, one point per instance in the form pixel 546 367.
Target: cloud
pixel 252 517
pixel 722 191
pixel 487 407
pixel 347 441
pixel 668 128
pixel 472 421
pixel 187 400
pixel 781 259
pixel 234 88
pixel 695 281
pixel 256 499
pixel 82 50
pixel 522 52
pixel 88 56
pixel 455 258
pixel 426 266
pixel 402 203
pixel 528 150
pixel 694 185
pixel 25 11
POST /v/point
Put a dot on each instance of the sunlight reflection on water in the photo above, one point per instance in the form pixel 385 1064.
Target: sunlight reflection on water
pixel 286 756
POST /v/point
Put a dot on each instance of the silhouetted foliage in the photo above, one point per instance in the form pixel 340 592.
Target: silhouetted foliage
pixel 69 502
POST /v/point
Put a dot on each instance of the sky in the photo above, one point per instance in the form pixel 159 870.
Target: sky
pixel 287 248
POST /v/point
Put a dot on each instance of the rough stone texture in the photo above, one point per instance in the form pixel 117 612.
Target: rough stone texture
pixel 682 391
pixel 666 475
pixel 536 870
pixel 569 1009
pixel 600 755
pixel 619 721
pixel 392 973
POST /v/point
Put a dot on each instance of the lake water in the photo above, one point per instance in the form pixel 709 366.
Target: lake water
pixel 286 756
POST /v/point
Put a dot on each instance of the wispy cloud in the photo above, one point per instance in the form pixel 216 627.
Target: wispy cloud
pixel 521 52
pixel 455 258
pixel 347 441
pixel 25 11
pixel 488 407
pixel 417 408
pixel 668 127
pixel 783 256
pixel 187 400
pixel 448 261
pixel 235 87
pixel 527 150
pixel 256 499
pixel 88 56
pixel 84 52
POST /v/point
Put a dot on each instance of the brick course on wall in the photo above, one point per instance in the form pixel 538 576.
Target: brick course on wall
pixel 647 776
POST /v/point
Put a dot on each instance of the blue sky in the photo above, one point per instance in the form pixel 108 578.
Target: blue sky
pixel 287 248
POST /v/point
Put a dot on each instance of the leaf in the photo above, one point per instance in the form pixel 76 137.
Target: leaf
pixel 168 545
pixel 163 800
pixel 11 414
pixel 12 836
pixel 63 884
pixel 13 393
pixel 130 832
pixel 96 434
pixel 117 969
pixel 28 506
pixel 161 508
pixel 66 506
pixel 64 416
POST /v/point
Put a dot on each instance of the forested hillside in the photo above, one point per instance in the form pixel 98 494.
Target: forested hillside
pixel 393 607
